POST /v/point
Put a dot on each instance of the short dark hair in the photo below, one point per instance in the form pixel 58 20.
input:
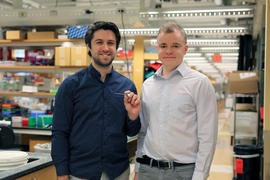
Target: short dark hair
pixel 169 27
pixel 89 35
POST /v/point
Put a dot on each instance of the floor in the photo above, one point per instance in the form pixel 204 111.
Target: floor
pixel 222 165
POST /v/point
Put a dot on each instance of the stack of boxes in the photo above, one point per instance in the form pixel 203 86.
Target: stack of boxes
pixel 10 110
pixel 72 56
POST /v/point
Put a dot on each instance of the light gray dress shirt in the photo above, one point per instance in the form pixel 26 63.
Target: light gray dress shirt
pixel 179 119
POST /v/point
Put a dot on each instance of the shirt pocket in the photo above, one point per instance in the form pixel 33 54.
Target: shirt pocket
pixel 179 106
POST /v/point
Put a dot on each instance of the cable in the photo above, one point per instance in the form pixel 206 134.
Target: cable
pixel 56 3
pixel 125 44
pixel 91 2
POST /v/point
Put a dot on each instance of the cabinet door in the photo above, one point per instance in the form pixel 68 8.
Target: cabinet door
pixel 43 174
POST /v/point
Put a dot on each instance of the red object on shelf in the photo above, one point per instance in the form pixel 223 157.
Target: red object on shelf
pixel 9 105
pixel 216 58
pixel 25 122
pixel 122 53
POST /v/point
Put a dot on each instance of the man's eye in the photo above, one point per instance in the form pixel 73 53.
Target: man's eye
pixel 175 46
pixel 162 47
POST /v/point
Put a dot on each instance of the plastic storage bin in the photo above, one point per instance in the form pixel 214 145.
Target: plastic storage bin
pixel 247 162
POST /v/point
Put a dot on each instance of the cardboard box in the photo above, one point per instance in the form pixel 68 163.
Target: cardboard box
pixel 79 56
pixel 15 35
pixel 62 56
pixel 243 82
pixel 245 107
pixel 41 35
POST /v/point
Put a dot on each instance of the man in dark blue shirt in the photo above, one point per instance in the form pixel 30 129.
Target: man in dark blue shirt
pixel 95 110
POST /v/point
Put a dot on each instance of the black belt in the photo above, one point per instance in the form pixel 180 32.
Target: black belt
pixel 160 164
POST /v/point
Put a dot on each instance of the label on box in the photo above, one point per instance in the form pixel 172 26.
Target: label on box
pixel 247 75
pixel 29 89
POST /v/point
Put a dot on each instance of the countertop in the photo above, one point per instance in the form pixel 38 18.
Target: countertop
pixel 44 160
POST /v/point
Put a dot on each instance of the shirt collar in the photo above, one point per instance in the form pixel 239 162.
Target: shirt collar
pixel 182 69
pixel 95 72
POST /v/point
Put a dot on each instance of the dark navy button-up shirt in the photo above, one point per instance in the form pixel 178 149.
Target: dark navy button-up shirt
pixel 91 125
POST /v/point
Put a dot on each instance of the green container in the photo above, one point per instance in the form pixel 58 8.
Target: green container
pixel 44 120
pixel 31 121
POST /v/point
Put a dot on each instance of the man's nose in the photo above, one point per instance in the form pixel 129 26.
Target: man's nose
pixel 105 46
pixel 169 50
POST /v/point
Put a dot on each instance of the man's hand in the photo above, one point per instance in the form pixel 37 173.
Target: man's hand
pixel 136 176
pixel 64 177
pixel 132 104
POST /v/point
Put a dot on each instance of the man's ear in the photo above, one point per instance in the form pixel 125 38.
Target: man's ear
pixel 186 48
pixel 88 47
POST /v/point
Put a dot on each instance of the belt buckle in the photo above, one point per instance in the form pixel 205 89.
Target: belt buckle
pixel 169 165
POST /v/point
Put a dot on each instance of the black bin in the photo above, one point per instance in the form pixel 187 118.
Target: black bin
pixel 247 162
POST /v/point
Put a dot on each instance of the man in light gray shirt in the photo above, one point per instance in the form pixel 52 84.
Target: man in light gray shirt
pixel 179 116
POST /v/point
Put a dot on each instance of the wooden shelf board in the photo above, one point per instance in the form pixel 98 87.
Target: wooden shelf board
pixel 40 40
pixel 35 94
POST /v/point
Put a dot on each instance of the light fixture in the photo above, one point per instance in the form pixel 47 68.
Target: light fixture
pixel 190 31
pixel 220 12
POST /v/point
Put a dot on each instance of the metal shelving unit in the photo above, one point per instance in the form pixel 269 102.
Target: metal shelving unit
pixel 255 100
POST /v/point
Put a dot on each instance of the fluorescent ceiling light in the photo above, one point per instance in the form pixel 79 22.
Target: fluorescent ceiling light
pixel 206 67
pixel 215 28
pixel 195 61
pixel 199 64
pixel 216 75
pixel 227 67
pixel 223 54
pixel 213 40
pixel 201 30
pixel 194 58
pixel 225 64
pixel 210 70
pixel 201 10
pixel 218 48
pixel 193 54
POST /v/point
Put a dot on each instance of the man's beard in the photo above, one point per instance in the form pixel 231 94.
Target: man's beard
pixel 98 62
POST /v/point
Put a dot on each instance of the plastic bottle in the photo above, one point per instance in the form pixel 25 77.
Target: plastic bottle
pixel 16 84
pixel 10 85
pixel 4 82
